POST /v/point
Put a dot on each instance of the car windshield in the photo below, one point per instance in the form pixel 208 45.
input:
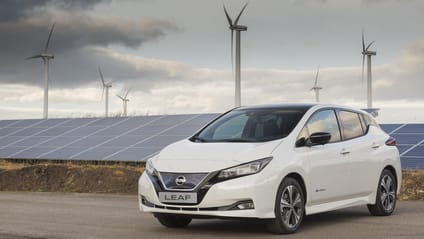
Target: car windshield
pixel 250 125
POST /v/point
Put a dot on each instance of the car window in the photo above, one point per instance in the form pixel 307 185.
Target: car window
pixel 369 120
pixel 251 125
pixel 233 128
pixel 323 121
pixel 351 124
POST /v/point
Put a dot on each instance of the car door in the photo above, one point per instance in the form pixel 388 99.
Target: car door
pixel 363 148
pixel 326 164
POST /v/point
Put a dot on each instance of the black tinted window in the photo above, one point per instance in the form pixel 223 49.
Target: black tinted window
pixel 351 124
pixel 324 121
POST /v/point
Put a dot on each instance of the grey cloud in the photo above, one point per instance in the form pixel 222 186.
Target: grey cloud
pixel 11 10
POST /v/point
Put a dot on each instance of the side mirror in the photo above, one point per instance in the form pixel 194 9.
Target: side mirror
pixel 319 138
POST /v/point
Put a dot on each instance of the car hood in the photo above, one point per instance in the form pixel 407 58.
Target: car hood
pixel 187 156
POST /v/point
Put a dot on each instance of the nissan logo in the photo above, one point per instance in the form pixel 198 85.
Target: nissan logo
pixel 180 180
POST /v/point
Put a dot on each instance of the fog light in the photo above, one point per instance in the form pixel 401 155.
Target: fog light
pixel 244 205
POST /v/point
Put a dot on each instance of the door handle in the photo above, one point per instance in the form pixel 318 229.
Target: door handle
pixel 344 152
pixel 375 146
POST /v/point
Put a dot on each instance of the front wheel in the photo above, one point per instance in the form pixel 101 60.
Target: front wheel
pixel 289 208
pixel 385 202
pixel 173 221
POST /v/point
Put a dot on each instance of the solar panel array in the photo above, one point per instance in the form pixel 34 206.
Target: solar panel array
pixel 138 138
pixel 114 139
pixel 410 142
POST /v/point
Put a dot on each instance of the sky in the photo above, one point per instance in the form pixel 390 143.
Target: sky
pixel 176 55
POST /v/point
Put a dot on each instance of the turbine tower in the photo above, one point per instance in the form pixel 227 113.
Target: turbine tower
pixel 106 87
pixel 124 101
pixel 237 28
pixel 46 58
pixel 316 88
pixel 367 53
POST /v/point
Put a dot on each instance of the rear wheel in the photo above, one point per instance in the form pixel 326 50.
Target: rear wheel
pixel 385 202
pixel 173 221
pixel 289 208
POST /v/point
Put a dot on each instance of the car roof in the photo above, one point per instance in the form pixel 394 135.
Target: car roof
pixel 301 107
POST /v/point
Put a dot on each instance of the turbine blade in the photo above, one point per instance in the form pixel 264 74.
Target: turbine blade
pixel 120 97
pixel 228 17
pixel 363 65
pixel 363 41
pixel 103 93
pixel 128 91
pixel 241 12
pixel 101 77
pixel 316 78
pixel 366 49
pixel 33 57
pixel 48 39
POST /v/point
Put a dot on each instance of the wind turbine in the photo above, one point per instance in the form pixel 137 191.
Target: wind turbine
pixel 125 101
pixel 106 87
pixel 316 88
pixel 237 28
pixel 367 53
pixel 46 58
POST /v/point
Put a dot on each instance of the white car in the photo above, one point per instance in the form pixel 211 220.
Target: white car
pixel 277 163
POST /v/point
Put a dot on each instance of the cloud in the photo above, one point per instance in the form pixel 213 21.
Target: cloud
pixel 11 10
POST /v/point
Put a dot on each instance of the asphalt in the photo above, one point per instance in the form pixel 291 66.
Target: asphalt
pixel 55 215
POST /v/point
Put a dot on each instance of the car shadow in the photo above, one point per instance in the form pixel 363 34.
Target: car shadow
pixel 312 222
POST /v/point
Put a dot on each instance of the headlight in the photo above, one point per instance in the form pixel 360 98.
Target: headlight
pixel 150 169
pixel 243 169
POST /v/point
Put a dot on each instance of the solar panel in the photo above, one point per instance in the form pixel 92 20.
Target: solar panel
pixel 137 138
pixel 30 141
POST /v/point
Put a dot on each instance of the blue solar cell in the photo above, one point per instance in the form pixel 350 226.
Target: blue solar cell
pixel 52 122
pixel 30 141
pixel 28 131
pixel 89 141
pixel 417 151
pixel 412 163
pixel 412 128
pixel 30 153
pixel 79 122
pixel 172 120
pixel 57 142
pixel 148 130
pixel 8 131
pixel 107 121
pixel 55 131
pixel 403 148
pixel 61 153
pixel 7 123
pixel 9 140
pixel 389 127
pixel 159 141
pixel 29 122
pixel 98 153
pixel 83 131
pixel 408 138
pixel 134 154
pixel 125 141
pixel 5 152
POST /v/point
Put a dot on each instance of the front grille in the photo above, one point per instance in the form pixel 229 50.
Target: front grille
pixel 181 181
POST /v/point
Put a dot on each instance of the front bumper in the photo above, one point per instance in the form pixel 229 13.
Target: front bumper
pixel 218 200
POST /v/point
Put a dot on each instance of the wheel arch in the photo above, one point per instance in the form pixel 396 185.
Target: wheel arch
pixel 301 181
pixel 393 171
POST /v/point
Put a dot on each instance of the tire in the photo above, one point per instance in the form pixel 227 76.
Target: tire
pixel 385 202
pixel 289 210
pixel 173 221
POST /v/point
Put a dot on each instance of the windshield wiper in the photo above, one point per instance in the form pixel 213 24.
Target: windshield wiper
pixel 196 138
